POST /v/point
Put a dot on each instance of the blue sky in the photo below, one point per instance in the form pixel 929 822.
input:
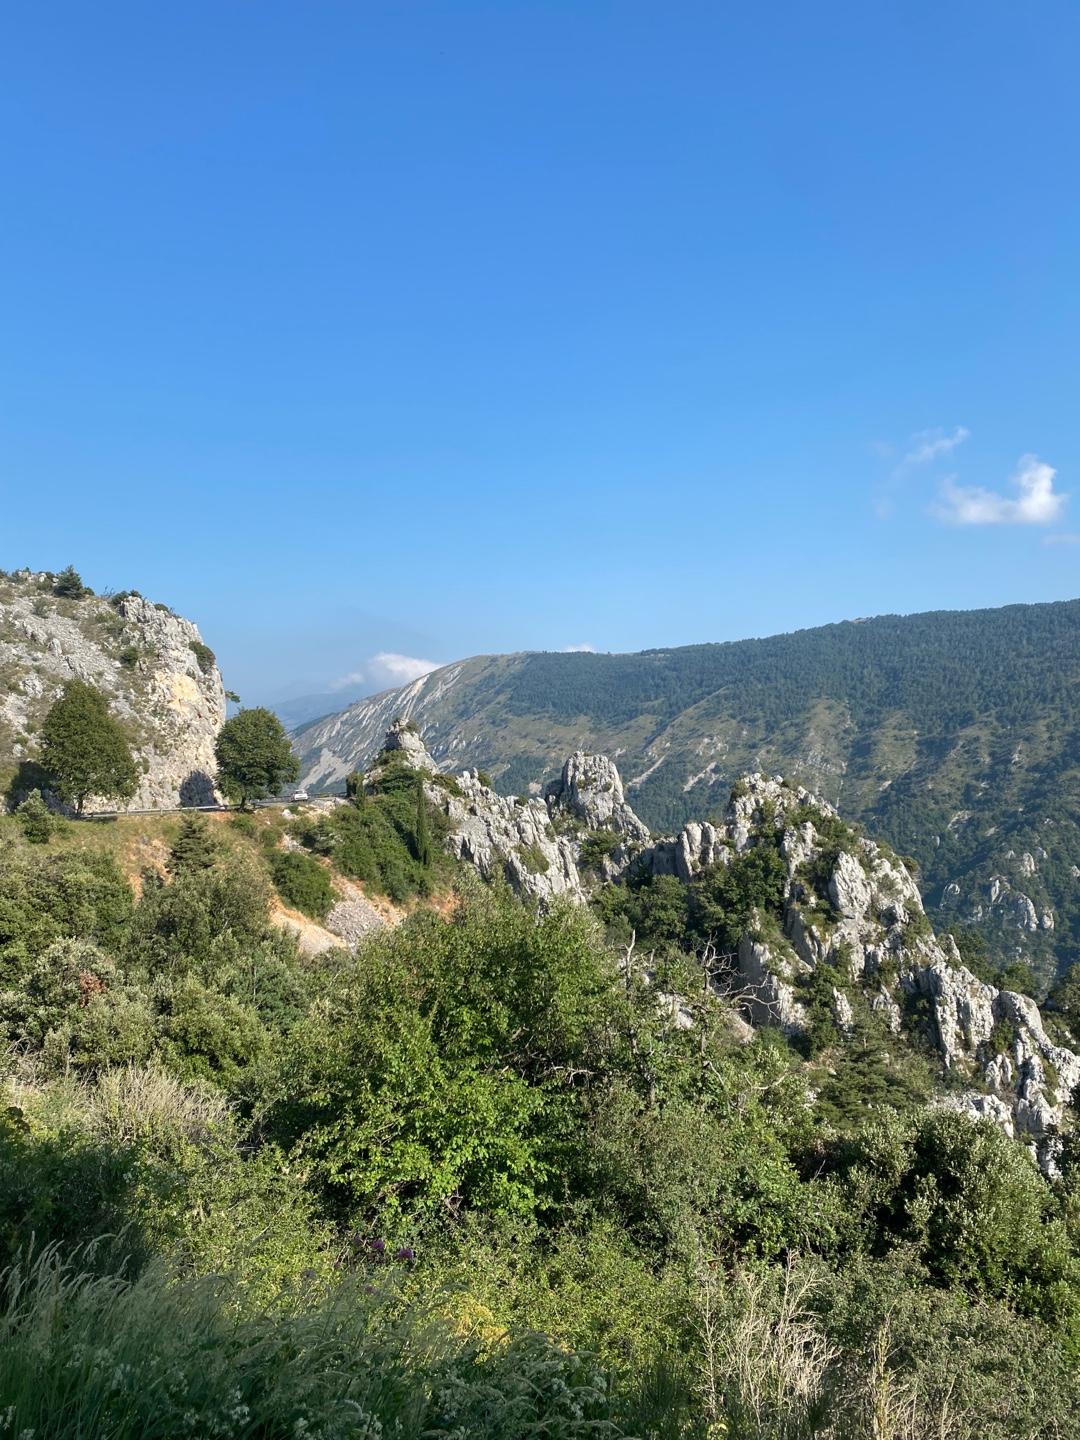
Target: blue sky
pixel 423 330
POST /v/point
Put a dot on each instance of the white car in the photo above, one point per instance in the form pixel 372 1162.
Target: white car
pixel 300 795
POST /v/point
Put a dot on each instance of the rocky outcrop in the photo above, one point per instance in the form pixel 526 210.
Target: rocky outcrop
pixel 560 846
pixel 766 995
pixel 1010 907
pixel 849 904
pixel 852 905
pixel 510 838
pixel 591 791
pixel 159 678
pixel 403 743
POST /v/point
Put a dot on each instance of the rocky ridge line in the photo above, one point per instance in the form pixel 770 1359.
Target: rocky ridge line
pixel 582 833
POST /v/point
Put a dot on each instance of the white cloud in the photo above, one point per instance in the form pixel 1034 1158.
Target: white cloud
pixel 1037 502
pixel 923 448
pixel 1064 537
pixel 400 669
pixel 583 649
pixel 930 445
pixel 387 669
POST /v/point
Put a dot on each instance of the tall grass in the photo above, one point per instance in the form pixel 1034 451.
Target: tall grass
pixel 84 1357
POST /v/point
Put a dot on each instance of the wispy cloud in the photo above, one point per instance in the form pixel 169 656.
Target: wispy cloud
pixel 1036 501
pixel 387 669
pixel 583 649
pixel 929 445
pixel 1063 537
pixel 923 448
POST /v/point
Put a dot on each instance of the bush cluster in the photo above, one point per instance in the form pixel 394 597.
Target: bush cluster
pixel 389 837
pixel 470 1180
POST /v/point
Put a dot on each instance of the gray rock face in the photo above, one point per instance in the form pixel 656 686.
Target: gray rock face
pixel 767 996
pixel 149 664
pixel 536 844
pixel 1011 908
pixel 696 847
pixel 849 888
pixel 848 902
pixel 983 1107
pixel 404 739
pixel 502 836
pixel 590 789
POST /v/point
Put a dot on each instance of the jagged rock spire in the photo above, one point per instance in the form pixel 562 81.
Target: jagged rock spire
pixel 590 789
pixel 404 737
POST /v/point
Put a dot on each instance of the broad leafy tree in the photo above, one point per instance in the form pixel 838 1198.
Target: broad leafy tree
pixel 254 756
pixel 84 750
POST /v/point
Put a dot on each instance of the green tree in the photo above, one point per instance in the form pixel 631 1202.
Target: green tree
pixel 194 848
pixel 423 829
pixel 84 751
pixel 37 819
pixel 254 756
pixel 69 583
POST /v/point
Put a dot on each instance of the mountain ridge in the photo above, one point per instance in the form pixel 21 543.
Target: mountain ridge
pixel 954 734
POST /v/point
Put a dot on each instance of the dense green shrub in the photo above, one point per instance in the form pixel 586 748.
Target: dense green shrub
pixel 77 896
pixel 434 1095
pixel 302 882
pixel 205 919
pixel 597 846
pixel 38 821
pixel 715 908
pixel 971 1204
pixel 390 839
pixel 204 656
pixel 195 847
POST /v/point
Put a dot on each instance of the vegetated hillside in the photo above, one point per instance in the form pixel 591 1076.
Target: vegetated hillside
pixel 496 1172
pixel 156 674
pixel 955 736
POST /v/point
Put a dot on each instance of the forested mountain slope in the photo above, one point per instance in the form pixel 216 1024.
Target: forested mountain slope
pixel 953 735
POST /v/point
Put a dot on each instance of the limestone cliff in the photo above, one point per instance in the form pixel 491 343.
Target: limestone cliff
pixel 581 832
pixel 850 908
pixel 160 679
pixel 853 907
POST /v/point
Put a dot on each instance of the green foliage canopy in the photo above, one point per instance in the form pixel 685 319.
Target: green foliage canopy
pixel 84 750
pixel 254 756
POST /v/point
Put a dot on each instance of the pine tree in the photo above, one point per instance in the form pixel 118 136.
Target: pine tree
pixel 69 583
pixel 195 847
pixel 423 829
pixel 38 821
pixel 84 751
